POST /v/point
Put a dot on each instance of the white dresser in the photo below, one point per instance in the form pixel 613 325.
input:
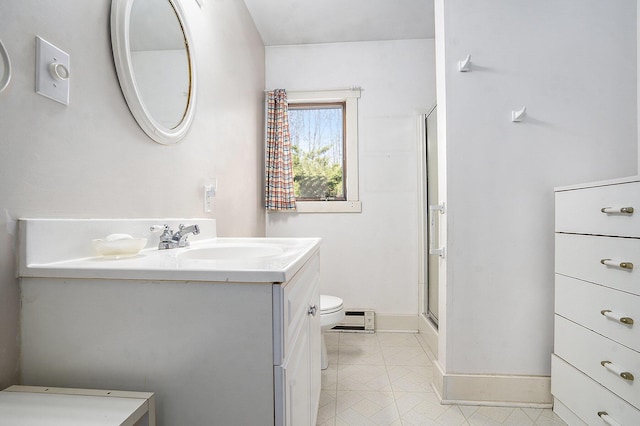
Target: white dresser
pixel 595 369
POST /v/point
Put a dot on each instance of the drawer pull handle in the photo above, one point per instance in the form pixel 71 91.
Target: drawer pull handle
pixel 617 370
pixel 624 320
pixel 312 310
pixel 623 210
pixel 617 264
pixel 607 418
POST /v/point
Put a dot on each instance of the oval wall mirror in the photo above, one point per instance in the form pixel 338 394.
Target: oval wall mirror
pixel 5 67
pixel 155 65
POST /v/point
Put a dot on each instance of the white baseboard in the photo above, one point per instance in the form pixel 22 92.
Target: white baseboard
pixel 397 323
pixel 495 390
pixel 472 389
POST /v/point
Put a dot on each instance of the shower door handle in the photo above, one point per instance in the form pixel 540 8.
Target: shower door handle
pixel 432 229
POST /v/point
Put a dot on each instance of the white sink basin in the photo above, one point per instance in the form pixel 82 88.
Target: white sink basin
pixel 232 252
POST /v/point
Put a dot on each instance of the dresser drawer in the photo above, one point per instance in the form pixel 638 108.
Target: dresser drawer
pixel 582 302
pixel 579 211
pixel 581 256
pixel 586 398
pixel 586 350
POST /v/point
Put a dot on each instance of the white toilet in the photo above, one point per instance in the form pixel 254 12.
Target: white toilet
pixel 331 314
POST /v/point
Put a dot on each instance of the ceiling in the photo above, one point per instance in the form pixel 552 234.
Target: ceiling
pixel 282 22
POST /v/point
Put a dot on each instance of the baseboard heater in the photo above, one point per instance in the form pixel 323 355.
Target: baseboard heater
pixel 357 321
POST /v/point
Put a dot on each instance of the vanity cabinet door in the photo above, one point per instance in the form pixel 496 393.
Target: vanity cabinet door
pixel 303 372
pixel 291 301
pixel 296 383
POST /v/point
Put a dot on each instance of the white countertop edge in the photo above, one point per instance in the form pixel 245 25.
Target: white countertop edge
pixel 43 406
pixel 219 276
pixel 617 181
pixel 76 269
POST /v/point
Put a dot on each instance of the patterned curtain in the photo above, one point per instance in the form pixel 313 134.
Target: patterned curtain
pixel 278 165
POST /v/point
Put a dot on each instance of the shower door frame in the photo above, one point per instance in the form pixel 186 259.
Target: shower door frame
pixel 425 259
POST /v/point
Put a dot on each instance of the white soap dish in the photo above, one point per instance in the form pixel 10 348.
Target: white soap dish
pixel 118 245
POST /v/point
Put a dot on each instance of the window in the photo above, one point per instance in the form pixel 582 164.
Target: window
pixel 324 136
pixel 317 144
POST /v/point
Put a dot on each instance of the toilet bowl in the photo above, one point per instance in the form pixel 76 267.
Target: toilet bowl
pixel 331 314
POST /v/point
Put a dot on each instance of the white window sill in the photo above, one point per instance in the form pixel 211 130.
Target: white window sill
pixel 326 207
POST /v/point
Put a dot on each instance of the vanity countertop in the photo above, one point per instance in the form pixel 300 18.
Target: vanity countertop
pixel 249 260
pixel 173 265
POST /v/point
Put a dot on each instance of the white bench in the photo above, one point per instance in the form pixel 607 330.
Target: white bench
pixel 46 406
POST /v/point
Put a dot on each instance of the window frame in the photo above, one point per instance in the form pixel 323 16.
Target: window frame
pixel 350 98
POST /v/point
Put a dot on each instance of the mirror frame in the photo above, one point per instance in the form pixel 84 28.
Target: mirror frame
pixel 120 20
pixel 5 77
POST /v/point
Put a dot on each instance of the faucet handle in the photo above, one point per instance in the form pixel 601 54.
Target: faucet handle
pixel 167 233
pixel 165 238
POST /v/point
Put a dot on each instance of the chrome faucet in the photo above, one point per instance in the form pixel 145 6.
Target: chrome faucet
pixel 183 232
pixel 170 239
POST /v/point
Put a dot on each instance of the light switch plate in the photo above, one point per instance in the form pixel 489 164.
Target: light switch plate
pixel 52 71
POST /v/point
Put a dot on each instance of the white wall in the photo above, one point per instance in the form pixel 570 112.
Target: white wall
pixel 90 159
pixel 573 65
pixel 369 259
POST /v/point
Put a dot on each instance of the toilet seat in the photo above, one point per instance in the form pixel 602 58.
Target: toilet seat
pixel 330 304
pixel 331 311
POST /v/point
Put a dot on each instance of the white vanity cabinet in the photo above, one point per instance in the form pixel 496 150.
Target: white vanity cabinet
pixel 595 371
pixel 297 350
pixel 243 350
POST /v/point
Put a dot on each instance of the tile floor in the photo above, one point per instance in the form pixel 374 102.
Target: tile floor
pixel 385 379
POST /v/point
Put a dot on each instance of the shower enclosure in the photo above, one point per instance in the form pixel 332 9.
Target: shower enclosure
pixel 430 216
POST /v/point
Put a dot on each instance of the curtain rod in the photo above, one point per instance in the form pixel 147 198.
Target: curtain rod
pixel 321 90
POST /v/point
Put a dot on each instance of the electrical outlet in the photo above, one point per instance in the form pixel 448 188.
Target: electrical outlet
pixel 209 191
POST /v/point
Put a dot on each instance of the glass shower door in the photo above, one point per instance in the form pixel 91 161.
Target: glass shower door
pixel 432 216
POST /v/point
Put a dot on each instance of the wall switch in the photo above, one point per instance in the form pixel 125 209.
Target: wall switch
pixel 52 72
